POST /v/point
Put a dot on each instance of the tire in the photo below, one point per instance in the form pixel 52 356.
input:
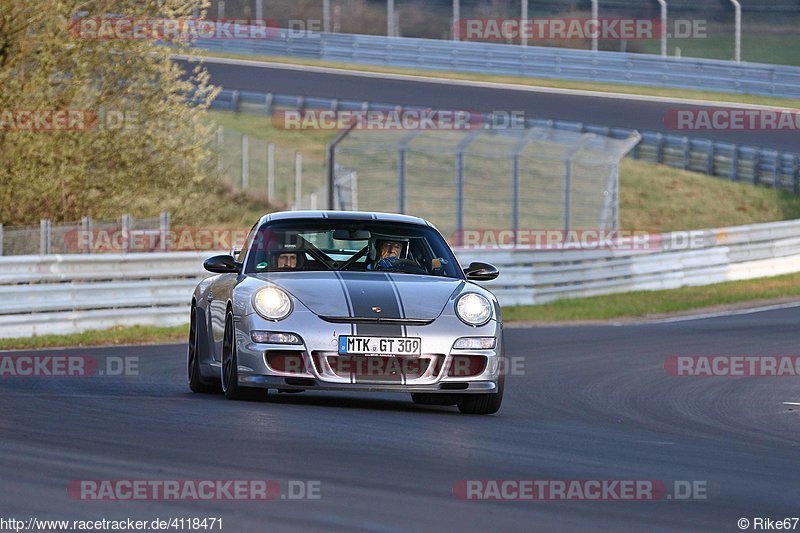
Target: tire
pixel 483 404
pixel 430 398
pixel 196 381
pixel 229 374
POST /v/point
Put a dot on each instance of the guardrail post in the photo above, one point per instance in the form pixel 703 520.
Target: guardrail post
pixel 268 103
pixel 45 236
pixel 757 167
pixel 687 150
pixel 235 101
pixel 125 223
pixel 245 162
pixel 86 239
pixel 660 148
pixel 710 158
pixel 1 239
pixel 164 225
pixel 776 181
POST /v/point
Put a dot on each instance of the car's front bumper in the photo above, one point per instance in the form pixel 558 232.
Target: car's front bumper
pixel 318 365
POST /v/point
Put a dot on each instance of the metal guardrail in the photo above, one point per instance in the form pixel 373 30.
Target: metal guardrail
pixel 528 61
pixel 69 293
pixel 748 164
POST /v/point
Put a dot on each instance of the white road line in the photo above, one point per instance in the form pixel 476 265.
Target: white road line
pixel 471 83
pixel 734 312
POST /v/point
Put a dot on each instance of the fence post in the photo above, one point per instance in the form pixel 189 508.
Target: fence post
pixel 86 235
pixel 795 185
pixel 401 169
pixel 164 224
pixel 735 163
pixel 401 180
pixel 220 142
pixel 245 162
pixel 125 222
pixel 1 239
pixel 298 178
pixel 330 163
pixel 221 9
pixel 459 198
pixel 45 236
pixel 260 9
pixel 270 172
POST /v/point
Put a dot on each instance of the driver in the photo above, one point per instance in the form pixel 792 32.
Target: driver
pixel 388 252
pixel 284 260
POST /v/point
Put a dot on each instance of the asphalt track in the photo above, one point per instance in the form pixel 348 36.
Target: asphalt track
pixel 592 403
pixel 623 112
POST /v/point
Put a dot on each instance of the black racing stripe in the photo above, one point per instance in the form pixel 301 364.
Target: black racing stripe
pixel 365 294
pixel 346 299
pixel 399 299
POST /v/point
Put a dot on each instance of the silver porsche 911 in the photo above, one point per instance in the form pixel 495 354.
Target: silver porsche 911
pixel 333 300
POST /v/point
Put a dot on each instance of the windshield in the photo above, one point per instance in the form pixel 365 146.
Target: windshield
pixel 345 245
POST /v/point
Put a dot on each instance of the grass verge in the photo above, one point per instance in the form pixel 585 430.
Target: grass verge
pixel 534 82
pixel 719 296
pixel 106 337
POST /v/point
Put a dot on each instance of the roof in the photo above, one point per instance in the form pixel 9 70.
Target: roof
pixel 344 215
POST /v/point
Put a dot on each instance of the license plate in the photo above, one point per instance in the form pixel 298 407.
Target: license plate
pixel 355 345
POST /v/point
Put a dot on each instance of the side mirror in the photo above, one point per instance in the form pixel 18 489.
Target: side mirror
pixel 222 264
pixel 477 271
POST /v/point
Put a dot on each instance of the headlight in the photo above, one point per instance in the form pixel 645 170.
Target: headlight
pixel 272 303
pixel 473 309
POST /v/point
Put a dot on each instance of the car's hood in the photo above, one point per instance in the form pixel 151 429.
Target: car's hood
pixel 355 294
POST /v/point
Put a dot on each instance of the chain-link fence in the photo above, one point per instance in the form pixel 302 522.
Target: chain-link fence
pixel 125 234
pixel 264 170
pixel 495 179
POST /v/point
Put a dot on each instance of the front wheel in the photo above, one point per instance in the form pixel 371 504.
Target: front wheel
pixel 483 404
pixel 196 381
pixel 230 368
